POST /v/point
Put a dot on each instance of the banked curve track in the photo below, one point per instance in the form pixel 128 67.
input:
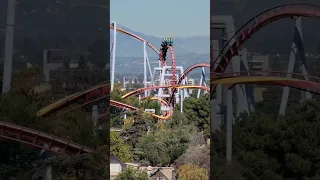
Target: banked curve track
pixel 101 91
pixel 254 25
pixel 91 95
pixel 185 73
pixel 160 53
pixel 312 84
pixel 138 91
pixel 37 139
pixel 129 107
pixel 154 48
pixel 96 93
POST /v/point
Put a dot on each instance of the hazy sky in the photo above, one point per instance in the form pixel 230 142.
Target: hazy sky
pixel 163 18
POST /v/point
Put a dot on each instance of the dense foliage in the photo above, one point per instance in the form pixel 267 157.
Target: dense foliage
pixel 178 142
pixel 132 174
pixel 18 161
pixel 265 147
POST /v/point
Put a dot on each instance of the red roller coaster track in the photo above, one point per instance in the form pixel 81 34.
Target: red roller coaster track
pixel 256 23
pixel 101 91
pixel 38 139
pixel 185 73
pixel 269 78
pixel 138 91
pixel 96 93
pixel 129 107
pixel 173 59
pixel 160 53
pixel 153 47
pixel 162 59
pixel 123 105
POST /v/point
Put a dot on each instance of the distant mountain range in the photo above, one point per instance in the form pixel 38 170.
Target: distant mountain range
pixel 129 47
pixel 188 51
pixel 61 18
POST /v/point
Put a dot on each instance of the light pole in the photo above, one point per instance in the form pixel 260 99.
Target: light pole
pixel 7 67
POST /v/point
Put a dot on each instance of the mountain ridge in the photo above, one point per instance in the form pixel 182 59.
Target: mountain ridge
pixel 127 46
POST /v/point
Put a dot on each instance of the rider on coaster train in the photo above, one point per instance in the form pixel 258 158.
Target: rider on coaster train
pixel 168 41
pixel 165 42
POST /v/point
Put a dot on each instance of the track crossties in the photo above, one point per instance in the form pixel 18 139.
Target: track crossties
pixel 97 93
pixel 129 107
pixel 269 78
pixel 39 139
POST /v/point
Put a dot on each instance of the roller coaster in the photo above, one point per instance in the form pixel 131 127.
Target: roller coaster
pixel 101 92
pixel 40 140
pixel 169 79
pixel 222 79
pixel 95 95
pixel 218 76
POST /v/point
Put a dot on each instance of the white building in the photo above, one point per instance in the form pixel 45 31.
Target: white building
pixel 116 166
pixel 191 82
pixel 259 63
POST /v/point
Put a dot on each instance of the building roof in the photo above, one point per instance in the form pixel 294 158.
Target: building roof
pixel 159 173
pixel 111 154
pixel 167 172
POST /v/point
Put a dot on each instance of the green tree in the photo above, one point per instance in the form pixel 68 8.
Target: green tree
pixel 167 145
pixel 197 112
pixel 270 149
pixel 192 172
pixel 84 166
pixel 142 122
pixel 22 162
pixel 132 174
pixel 116 114
pixel 152 151
pixel 196 155
pixel 119 148
pixel 222 171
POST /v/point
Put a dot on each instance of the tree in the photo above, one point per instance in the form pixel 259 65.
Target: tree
pixel 270 149
pixel 119 148
pixel 197 155
pixel 84 166
pixel 152 151
pixel 116 114
pixel 158 143
pixel 222 171
pixel 192 172
pixel 142 121
pixel 167 145
pixel 197 112
pixel 132 174
pixel 23 162
pixel 25 80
